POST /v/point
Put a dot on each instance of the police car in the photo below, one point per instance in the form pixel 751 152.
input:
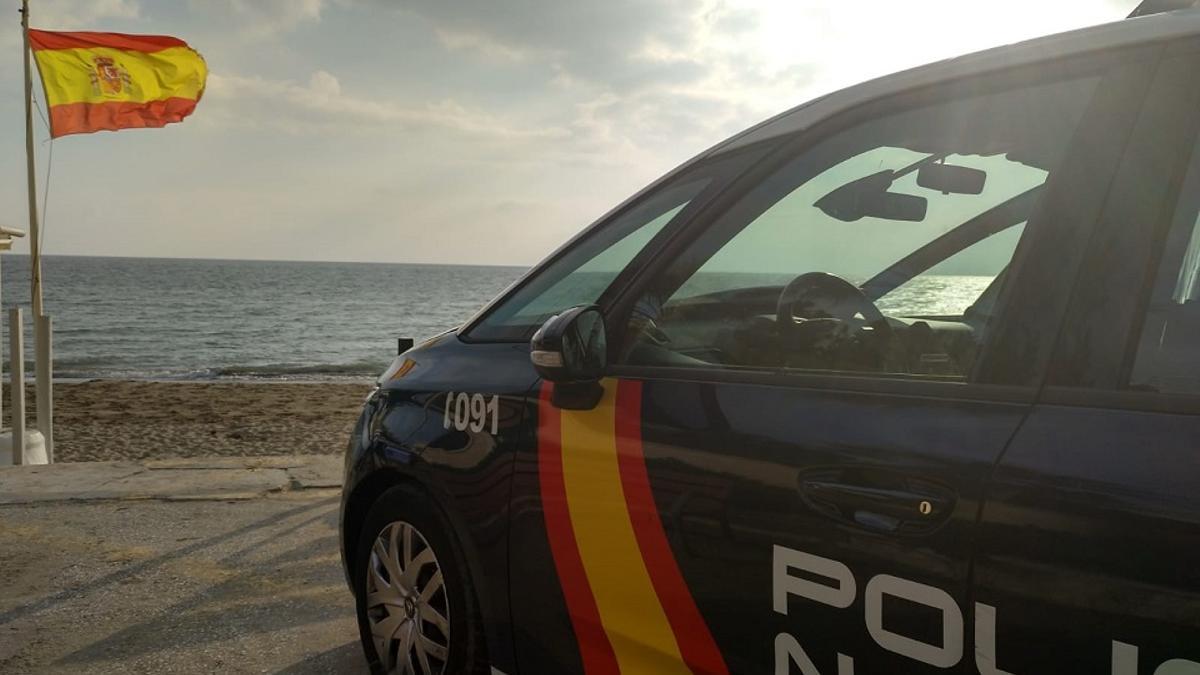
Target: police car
pixel 904 380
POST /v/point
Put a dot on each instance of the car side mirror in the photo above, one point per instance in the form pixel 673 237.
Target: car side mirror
pixel 570 350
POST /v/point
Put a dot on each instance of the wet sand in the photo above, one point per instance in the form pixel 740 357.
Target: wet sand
pixel 117 420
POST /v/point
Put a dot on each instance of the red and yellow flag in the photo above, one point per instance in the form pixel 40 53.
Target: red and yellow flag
pixel 110 81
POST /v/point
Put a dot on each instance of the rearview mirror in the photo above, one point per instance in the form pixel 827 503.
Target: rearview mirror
pixel 869 197
pixel 951 179
pixel 571 350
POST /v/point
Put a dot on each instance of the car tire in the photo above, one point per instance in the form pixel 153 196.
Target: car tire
pixel 434 591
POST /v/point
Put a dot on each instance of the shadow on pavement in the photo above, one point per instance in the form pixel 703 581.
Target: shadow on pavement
pixel 140 568
pixel 264 596
pixel 345 659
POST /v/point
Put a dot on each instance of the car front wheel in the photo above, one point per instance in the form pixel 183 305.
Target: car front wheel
pixel 416 609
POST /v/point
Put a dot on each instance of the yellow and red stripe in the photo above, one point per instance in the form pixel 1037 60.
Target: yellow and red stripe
pixel 111 81
pixel 629 605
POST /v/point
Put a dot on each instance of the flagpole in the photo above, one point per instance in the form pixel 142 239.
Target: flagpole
pixel 35 238
pixel 41 324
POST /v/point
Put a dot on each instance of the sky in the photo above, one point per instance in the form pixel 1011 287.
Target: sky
pixel 464 131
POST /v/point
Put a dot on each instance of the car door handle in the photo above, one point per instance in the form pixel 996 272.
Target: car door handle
pixel 894 505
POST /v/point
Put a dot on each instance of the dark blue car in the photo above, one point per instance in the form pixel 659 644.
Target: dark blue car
pixel 904 380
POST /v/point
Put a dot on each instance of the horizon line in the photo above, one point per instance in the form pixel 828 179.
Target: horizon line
pixel 10 255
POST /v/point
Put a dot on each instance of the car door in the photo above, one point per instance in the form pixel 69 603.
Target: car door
pixel 581 273
pixel 784 476
pixel 1089 543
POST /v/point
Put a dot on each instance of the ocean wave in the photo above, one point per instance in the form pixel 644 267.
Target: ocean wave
pixel 358 370
pixel 277 370
pixel 81 361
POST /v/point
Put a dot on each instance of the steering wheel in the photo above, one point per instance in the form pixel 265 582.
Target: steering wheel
pixel 824 297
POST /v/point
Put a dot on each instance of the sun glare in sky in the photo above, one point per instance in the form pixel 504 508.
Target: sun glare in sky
pixel 847 42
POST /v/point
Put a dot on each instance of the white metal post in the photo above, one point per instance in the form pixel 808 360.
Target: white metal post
pixel 6 238
pixel 1 362
pixel 16 340
pixel 45 383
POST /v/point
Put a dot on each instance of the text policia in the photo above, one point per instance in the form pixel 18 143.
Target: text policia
pixel 842 590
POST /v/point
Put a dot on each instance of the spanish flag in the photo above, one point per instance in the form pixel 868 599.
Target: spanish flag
pixel 110 81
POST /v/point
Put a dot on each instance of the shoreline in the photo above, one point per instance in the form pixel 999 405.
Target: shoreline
pixel 348 379
pixel 121 419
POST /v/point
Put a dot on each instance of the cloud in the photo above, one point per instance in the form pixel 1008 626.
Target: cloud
pixel 767 52
pixel 591 40
pixel 261 18
pixel 642 76
pixel 481 44
pixel 74 14
pixel 66 15
pixel 321 105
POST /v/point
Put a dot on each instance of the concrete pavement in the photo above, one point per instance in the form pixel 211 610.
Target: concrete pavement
pixel 169 479
pixel 182 566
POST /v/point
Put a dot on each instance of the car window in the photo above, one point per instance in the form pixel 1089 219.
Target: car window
pixel 1168 352
pixel 581 275
pixel 881 248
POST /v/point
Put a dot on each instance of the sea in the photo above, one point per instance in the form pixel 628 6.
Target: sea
pixel 180 319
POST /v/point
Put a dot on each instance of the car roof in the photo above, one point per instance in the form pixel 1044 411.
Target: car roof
pixel 1125 33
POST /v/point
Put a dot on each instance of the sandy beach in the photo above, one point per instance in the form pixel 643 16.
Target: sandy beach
pixel 128 420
